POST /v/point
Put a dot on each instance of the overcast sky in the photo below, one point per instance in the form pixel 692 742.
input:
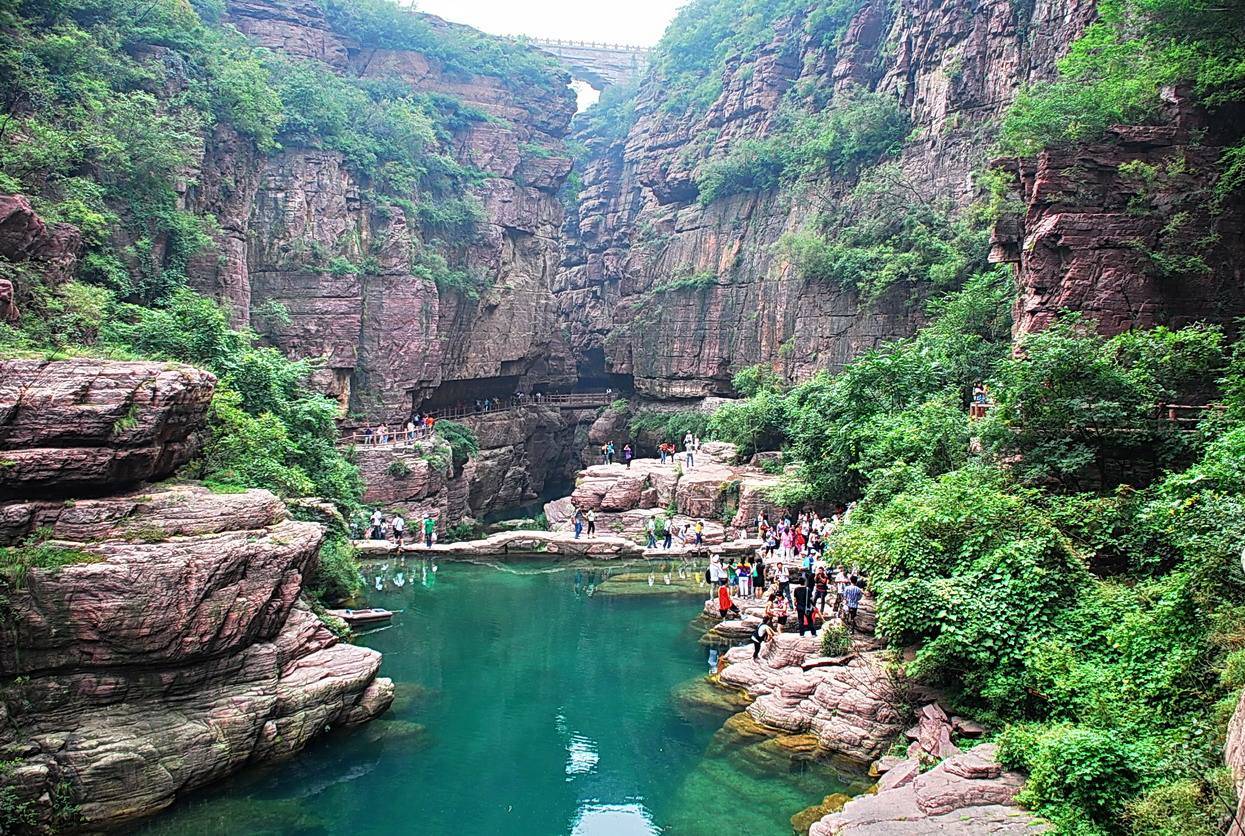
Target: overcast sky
pixel 626 21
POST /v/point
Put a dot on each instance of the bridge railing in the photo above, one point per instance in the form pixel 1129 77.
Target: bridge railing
pixel 599 45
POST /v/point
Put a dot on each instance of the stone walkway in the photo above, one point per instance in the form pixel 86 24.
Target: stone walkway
pixel 602 546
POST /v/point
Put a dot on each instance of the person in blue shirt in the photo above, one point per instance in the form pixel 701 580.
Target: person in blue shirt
pixel 851 598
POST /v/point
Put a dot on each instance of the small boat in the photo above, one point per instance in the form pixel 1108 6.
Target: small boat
pixel 364 617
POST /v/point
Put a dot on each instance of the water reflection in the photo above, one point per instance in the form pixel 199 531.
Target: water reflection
pixel 595 819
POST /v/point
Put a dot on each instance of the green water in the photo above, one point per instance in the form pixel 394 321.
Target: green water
pixel 531 700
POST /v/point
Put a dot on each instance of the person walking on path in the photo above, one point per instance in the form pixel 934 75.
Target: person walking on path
pixel 851 598
pixel 592 522
pixel 651 528
pixel 700 532
pixel 761 635
pixel 669 539
pixel 578 521
pixel 609 453
pixel 803 609
pixel 725 604
pixel 627 454
pixel 430 529
pixel 689 457
pixel 399 529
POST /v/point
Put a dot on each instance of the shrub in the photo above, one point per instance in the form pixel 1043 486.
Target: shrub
pixel 336 577
pixel 1073 771
pixel 835 640
pixel 398 469
pixel 463 442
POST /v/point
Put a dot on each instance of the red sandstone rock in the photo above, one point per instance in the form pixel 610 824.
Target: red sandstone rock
pixel 1234 756
pixel 24 237
pixel 967 794
pixel 78 425
pixel 177 659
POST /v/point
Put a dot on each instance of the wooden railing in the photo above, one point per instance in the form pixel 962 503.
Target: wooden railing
pixel 1185 417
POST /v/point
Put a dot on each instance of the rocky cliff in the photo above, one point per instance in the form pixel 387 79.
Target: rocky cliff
pixel 389 336
pixel 1128 231
pixel 152 640
pixel 954 69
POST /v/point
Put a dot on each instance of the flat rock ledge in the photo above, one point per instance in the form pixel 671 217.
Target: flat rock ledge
pixel 181 654
pixel 968 793
pixel 561 543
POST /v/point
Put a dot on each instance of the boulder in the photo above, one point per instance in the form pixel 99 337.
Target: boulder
pixel 69 427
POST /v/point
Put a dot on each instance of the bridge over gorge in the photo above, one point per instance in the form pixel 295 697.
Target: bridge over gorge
pixel 397 434
pixel 599 64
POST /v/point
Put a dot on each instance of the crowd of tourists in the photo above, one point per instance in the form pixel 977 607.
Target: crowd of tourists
pixel 417 426
pixel 376 527
pixel 667 451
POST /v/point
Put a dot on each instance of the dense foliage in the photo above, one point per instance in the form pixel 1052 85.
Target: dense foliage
pixel 1115 74
pixel 707 34
pixel 888 233
pixel 854 130
pixel 1100 629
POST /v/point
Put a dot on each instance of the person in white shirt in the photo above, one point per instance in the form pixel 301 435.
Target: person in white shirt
pixel 377 519
pixel 399 529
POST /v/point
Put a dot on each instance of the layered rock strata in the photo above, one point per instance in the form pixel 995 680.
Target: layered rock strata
pixel 1127 231
pixel 73 426
pixel 969 793
pixel 168 647
pixel 388 336
pixel 639 229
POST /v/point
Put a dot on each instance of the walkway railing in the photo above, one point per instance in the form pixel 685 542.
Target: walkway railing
pixel 1184 417
pixel 398 436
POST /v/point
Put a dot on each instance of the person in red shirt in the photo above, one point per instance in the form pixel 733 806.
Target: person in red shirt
pixel 725 604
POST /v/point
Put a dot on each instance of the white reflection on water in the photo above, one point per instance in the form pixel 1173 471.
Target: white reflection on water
pixel 581 755
pixel 595 819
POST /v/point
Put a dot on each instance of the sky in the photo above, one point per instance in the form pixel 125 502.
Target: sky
pixel 639 22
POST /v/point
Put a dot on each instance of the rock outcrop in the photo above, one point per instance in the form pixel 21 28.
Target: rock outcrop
pixel 73 426
pixel 1127 231
pixel 969 793
pixel 151 641
pixel 25 238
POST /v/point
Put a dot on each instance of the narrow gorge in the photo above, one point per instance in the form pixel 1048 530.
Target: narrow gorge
pixel 310 307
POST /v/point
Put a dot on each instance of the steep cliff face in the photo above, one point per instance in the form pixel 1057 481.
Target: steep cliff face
pixel 388 336
pixel 151 641
pixel 954 69
pixel 1127 231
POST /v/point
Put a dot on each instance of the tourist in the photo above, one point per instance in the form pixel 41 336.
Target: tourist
pixel 609 453
pixel 821 586
pixel 689 456
pixel 745 578
pixel 851 597
pixel 383 432
pixel 696 443
pixel 399 528
pixel 687 439
pixel 725 604
pixel 627 454
pixel 776 609
pixel 605 454
pixel 410 431
pixel 715 570
pixel 840 586
pixel 700 532
pixel 661 451
pixel 784 581
pixel 429 423
pixel 578 522
pixel 651 528
pixel 732 577
pixel 803 604
pixel 592 522
pixel 368 433
pixel 762 634
pixel 669 539
pixel 430 529
pixel 377 519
